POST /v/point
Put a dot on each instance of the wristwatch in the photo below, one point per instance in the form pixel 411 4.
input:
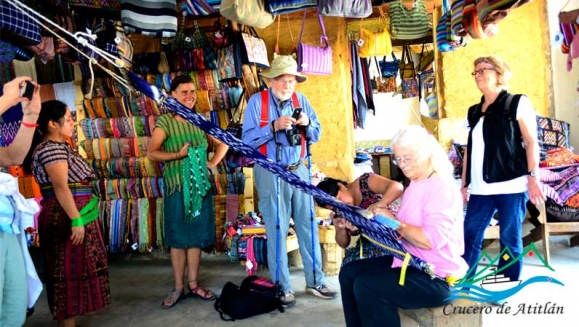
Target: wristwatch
pixel 532 173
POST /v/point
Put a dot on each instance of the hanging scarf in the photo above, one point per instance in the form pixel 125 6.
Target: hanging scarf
pixel 160 224
pixel 195 181
pixel 144 245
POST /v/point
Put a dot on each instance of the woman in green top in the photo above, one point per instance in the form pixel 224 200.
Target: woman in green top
pixel 189 209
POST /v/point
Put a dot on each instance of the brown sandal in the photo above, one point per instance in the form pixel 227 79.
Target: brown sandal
pixel 202 293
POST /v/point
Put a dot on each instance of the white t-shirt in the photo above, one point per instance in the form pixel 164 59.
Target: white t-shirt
pixel 525 112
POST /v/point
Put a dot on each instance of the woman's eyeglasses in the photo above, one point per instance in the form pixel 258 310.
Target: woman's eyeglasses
pixel 403 161
pixel 481 71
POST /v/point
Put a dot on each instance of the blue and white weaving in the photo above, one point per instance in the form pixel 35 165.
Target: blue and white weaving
pixel 17 26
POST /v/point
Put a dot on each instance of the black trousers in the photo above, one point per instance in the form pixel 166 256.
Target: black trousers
pixel 371 294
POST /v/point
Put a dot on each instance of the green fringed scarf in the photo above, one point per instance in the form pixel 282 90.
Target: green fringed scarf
pixel 195 181
pixel 178 134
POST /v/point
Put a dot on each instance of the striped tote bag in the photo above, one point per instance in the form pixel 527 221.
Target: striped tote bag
pixel 155 18
pixel 408 24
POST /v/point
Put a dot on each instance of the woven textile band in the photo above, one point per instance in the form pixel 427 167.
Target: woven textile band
pixel 77 189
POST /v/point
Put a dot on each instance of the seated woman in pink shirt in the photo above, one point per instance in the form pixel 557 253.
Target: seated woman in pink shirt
pixel 431 227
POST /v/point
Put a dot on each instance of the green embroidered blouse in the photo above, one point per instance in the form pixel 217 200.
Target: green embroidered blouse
pixel 178 134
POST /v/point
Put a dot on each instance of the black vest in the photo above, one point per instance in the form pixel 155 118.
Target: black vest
pixel 505 157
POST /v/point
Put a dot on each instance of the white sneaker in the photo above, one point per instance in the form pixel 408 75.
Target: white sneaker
pixel 288 299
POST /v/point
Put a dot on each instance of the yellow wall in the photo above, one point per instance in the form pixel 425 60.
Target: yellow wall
pixel 522 42
pixel 329 95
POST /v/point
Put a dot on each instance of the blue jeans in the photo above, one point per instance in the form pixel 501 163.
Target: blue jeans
pixel 511 213
pixel 371 294
pixel 293 203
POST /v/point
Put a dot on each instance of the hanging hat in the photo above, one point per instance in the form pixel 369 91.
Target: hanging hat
pixel 283 65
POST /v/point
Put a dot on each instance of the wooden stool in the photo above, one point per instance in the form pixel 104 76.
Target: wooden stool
pixel 459 313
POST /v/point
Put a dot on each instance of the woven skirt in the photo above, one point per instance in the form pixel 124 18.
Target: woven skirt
pixel 77 276
pixel 186 232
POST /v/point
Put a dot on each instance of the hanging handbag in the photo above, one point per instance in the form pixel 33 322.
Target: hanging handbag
pixel 408 24
pixel 238 103
pixel 389 68
pixel 428 96
pixel 408 75
pixel 229 62
pixel 493 11
pixel 406 65
pixel 348 9
pixel 313 59
pixel 152 18
pixel 181 41
pixel 389 84
pixel 203 52
pixel 246 12
pixel 277 7
pixel 384 84
pixel 426 63
pixel 473 25
pixel 374 43
pixel 254 51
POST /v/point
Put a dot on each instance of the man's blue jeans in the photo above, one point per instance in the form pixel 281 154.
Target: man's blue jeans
pixel 511 213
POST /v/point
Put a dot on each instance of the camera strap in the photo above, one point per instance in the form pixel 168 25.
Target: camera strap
pixel 264 121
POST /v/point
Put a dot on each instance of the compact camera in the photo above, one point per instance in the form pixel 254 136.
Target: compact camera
pixel 294 137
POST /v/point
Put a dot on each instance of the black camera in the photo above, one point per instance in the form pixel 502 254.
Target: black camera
pixel 294 137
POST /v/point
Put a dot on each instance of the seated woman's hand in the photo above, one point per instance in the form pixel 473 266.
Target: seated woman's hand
pixel 349 226
pixel 337 221
pixel 342 224
pixel 378 209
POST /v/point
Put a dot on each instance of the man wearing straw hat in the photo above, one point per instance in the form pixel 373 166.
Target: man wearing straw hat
pixel 269 126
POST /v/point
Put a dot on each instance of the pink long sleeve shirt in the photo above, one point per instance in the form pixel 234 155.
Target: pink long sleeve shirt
pixel 435 204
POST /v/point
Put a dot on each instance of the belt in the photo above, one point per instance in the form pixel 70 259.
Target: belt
pixel 294 166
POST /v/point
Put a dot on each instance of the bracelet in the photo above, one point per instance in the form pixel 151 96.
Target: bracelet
pixel 401 234
pixel 88 213
pixel 29 125
pixel 77 222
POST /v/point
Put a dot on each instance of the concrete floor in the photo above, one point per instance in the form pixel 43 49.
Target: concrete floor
pixel 139 284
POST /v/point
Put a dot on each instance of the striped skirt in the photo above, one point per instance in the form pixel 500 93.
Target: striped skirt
pixel 77 276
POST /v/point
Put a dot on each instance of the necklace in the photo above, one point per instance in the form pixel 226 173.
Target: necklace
pixel 432 173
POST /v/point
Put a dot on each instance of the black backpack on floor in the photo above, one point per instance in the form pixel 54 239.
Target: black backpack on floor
pixel 254 297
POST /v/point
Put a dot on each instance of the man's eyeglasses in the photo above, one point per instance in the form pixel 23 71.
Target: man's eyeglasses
pixel 286 81
pixel 403 161
pixel 481 71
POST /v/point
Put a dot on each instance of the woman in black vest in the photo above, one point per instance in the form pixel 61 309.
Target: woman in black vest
pixel 502 161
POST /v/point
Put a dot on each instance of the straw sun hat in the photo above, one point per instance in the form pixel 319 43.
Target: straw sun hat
pixel 282 65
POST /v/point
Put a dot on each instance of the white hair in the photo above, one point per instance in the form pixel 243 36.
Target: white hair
pixel 418 139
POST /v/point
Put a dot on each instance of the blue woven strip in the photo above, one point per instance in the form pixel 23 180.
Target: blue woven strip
pixel 370 227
